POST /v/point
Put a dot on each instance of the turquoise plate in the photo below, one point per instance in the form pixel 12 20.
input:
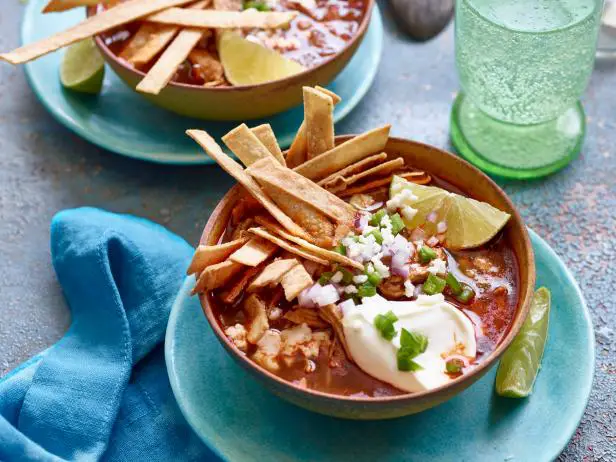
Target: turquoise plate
pixel 240 420
pixel 122 121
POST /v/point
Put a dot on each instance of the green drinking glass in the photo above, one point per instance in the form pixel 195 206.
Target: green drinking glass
pixel 523 66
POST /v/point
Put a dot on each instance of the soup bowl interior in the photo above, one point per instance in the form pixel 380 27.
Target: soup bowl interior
pixel 460 175
pixel 245 102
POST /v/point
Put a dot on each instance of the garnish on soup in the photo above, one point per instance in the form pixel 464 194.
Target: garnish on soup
pixel 342 269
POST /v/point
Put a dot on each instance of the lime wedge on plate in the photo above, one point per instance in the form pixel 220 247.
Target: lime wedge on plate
pixel 83 68
pixel 520 364
pixel 248 63
pixel 470 223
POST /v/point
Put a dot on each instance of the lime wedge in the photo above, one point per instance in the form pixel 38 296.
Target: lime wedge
pixel 469 223
pixel 83 68
pixel 248 63
pixel 520 364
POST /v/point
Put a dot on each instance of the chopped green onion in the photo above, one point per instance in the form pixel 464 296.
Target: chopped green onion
pixel 375 220
pixel 353 297
pixel 414 341
pixel 397 224
pixel 412 344
pixel 378 237
pixel 340 249
pixel 325 277
pixel 347 276
pixel 366 290
pixel 405 361
pixel 467 294
pixel 259 6
pixel 384 323
pixel 374 278
pixel 453 284
pixel 434 285
pixel 426 254
pixel 454 366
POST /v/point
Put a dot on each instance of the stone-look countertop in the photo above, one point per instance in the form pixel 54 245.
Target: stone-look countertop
pixel 45 168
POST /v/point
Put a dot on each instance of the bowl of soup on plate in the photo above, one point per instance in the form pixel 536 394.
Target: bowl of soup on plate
pixel 240 73
pixel 362 276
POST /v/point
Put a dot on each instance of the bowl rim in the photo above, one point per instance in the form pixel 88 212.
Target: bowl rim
pixel 520 316
pixel 363 27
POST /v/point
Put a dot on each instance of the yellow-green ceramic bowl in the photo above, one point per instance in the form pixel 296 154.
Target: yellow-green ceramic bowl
pixel 459 174
pixel 240 102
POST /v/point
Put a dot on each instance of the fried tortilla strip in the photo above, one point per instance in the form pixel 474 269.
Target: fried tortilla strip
pixel 386 168
pixel 165 67
pixel 294 281
pixel 215 276
pixel 345 154
pixel 319 120
pixel 228 5
pixel 206 255
pixel 329 255
pixel 296 155
pixel 414 177
pixel 332 314
pixel 352 169
pixel 213 19
pixel 108 19
pixel 150 39
pixel 309 316
pixel 267 171
pixel 320 228
pixel 266 135
pixel 256 310
pixel 272 274
pixel 231 295
pixel 246 146
pixel 56 6
pixel 286 245
pixel 254 252
pixel 236 171
pixel 241 229
pixel 297 152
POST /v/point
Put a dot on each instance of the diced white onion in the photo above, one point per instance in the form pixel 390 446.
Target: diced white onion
pixel 337 277
pixel 360 279
pixel 304 299
pixel 408 212
pixel 362 221
pixel 409 288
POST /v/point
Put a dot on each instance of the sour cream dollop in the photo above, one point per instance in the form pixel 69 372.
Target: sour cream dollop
pixel 446 328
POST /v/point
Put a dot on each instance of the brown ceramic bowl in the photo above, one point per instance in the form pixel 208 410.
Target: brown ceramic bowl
pixel 240 102
pixel 472 182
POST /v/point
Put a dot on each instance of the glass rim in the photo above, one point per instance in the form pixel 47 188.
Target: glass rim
pixel 470 4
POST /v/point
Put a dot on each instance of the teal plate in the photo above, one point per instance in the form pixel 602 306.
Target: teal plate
pixel 122 121
pixel 240 420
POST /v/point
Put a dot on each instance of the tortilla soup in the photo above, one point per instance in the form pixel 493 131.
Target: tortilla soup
pixel 345 270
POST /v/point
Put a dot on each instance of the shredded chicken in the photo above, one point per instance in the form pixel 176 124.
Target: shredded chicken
pixel 308 316
pixel 268 349
pixel 237 334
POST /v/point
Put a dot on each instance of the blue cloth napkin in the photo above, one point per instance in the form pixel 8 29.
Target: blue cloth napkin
pixel 102 392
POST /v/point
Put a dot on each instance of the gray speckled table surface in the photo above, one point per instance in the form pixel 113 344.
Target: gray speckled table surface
pixel 45 168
